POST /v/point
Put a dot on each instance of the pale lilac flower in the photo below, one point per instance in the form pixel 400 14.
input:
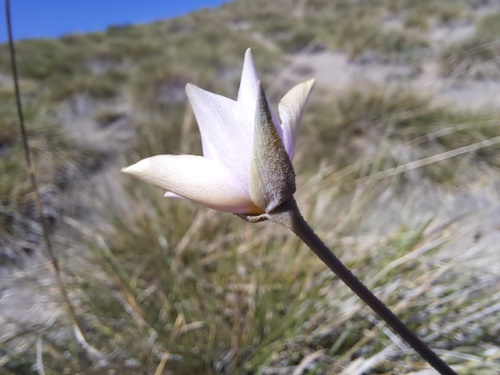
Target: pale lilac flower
pixel 225 177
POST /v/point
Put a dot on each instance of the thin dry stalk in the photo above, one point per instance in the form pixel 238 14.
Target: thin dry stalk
pixel 435 158
pixel 38 201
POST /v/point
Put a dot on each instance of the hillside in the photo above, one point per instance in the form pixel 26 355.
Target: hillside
pixel 397 169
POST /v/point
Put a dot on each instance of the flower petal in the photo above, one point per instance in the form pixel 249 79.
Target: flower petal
pixel 196 178
pixel 290 110
pixel 249 88
pixel 248 91
pixel 226 128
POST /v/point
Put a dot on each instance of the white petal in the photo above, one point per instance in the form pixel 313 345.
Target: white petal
pixel 226 128
pixel 247 94
pixel 248 91
pixel 169 194
pixel 196 178
pixel 290 109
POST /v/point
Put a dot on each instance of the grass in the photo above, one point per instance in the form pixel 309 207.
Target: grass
pixel 104 86
pixel 417 19
pixel 216 294
pixel 47 144
pixel 163 286
pixel 476 57
pixel 395 45
pixel 377 128
pixel 444 12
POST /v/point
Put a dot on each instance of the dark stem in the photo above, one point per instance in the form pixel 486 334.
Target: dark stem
pixel 289 216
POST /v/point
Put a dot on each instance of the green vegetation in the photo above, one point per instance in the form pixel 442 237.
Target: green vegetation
pixel 366 37
pixel 165 287
pixel 47 146
pixel 443 11
pixel 478 56
pixel 365 125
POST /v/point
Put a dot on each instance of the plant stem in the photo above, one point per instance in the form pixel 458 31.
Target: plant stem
pixel 289 216
pixel 80 335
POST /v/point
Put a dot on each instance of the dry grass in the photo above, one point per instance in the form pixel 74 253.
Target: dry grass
pixel 478 56
pixel 370 128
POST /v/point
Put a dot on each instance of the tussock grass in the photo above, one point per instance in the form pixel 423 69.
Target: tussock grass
pixel 100 87
pixel 47 144
pixel 476 57
pixel 417 19
pixel 216 295
pixel 444 11
pixel 365 38
pixel 379 128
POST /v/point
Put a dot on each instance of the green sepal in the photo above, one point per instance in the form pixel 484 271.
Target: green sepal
pixel 272 178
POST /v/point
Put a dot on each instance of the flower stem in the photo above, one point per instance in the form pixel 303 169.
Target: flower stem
pixel 289 216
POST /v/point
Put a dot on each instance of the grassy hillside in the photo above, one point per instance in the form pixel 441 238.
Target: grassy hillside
pixel 397 170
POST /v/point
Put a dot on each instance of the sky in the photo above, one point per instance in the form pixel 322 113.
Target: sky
pixel 54 18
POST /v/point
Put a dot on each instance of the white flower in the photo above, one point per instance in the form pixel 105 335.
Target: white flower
pixel 233 174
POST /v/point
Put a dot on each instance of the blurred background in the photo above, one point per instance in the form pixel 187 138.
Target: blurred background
pixel 397 170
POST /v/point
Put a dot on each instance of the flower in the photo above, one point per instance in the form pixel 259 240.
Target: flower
pixel 246 163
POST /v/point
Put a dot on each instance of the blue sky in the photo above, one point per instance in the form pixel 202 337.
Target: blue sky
pixel 53 18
